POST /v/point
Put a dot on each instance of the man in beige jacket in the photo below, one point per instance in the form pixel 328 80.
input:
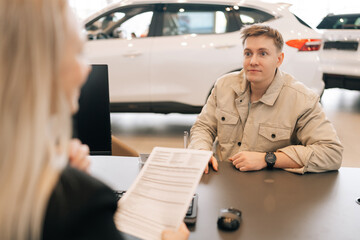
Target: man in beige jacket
pixel 262 117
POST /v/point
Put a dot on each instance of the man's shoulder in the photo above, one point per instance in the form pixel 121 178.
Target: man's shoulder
pixel 229 79
pixel 297 88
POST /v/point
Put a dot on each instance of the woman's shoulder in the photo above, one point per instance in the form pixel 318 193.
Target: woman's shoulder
pixel 73 202
pixel 79 189
pixel 76 189
pixel 71 180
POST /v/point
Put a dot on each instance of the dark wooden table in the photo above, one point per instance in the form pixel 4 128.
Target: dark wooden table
pixel 275 204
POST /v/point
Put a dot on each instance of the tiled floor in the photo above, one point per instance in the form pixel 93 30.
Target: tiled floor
pixel 143 131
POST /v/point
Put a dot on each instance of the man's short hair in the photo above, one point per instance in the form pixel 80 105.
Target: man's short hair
pixel 262 30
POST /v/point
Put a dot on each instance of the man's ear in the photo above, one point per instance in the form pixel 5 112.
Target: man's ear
pixel 280 59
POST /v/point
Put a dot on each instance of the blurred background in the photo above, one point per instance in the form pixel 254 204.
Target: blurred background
pixel 143 131
pixel 311 11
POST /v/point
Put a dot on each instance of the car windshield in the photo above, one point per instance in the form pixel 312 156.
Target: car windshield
pixel 340 22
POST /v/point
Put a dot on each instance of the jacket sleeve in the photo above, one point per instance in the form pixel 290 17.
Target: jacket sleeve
pixel 320 149
pixel 204 130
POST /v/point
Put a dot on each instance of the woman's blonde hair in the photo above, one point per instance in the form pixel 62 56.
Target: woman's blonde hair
pixel 35 116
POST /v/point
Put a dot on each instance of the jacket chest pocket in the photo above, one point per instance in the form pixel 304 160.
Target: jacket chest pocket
pixel 272 138
pixel 226 124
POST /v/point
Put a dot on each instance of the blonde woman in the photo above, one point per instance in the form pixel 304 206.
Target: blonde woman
pixel 41 72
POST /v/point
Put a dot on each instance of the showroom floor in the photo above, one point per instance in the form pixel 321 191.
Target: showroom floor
pixel 143 131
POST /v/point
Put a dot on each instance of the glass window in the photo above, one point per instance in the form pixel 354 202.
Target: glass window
pixel 340 22
pixel 246 19
pixel 357 22
pixel 124 23
pixel 135 27
pixel 105 21
pixel 185 19
pixel 251 15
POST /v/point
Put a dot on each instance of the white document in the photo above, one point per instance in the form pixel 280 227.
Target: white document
pixel 160 196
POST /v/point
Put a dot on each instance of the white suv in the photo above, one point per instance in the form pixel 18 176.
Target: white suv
pixel 340 52
pixel 165 56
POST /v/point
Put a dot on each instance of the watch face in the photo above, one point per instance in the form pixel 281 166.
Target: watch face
pixel 270 157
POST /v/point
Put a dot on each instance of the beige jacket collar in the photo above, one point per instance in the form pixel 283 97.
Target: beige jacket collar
pixel 243 91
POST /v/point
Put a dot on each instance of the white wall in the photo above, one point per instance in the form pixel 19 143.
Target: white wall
pixel 311 11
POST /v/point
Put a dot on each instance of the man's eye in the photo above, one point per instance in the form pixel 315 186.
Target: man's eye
pixel 263 53
pixel 247 54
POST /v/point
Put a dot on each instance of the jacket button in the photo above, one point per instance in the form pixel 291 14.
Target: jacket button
pixel 273 135
pixel 223 118
pixel 241 100
pixel 239 144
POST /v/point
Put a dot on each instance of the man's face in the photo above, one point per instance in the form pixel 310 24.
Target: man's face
pixel 261 58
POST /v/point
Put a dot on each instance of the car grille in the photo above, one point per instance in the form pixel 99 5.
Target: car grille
pixel 342 45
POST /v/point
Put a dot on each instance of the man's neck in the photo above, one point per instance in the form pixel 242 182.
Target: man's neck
pixel 258 90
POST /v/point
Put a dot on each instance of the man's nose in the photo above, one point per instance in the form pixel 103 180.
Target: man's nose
pixel 253 60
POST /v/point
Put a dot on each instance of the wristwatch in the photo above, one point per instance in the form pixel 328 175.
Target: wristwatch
pixel 270 159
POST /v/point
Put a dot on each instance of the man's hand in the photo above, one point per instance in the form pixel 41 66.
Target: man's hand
pixel 248 161
pixel 79 155
pixel 181 234
pixel 213 162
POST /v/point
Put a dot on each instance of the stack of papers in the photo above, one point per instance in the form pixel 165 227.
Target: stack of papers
pixel 160 196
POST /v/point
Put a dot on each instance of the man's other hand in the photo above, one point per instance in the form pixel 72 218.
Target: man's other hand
pixel 213 162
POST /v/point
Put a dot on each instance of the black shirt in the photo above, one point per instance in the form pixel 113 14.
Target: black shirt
pixel 80 207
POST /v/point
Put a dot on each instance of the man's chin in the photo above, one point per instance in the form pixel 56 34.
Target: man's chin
pixel 251 78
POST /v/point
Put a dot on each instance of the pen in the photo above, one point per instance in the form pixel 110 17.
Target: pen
pixel 186 136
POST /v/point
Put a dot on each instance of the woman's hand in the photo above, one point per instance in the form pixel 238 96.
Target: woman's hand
pixel 79 155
